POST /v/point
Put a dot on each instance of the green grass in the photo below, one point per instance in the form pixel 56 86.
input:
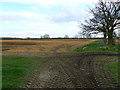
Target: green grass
pixel 98 46
pixel 113 66
pixel 16 70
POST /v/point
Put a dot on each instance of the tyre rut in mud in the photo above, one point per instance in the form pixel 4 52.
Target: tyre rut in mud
pixel 76 70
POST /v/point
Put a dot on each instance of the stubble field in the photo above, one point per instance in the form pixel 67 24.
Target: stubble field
pixel 41 47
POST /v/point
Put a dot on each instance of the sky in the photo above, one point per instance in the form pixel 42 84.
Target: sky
pixel 33 18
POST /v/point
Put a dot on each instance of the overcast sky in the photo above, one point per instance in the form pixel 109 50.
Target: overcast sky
pixel 32 18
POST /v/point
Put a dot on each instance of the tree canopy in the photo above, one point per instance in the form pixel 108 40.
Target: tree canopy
pixel 106 19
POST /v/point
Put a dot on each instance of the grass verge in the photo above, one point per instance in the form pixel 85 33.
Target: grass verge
pixel 97 46
pixel 16 70
pixel 113 66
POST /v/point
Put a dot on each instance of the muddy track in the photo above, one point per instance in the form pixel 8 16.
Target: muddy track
pixel 75 70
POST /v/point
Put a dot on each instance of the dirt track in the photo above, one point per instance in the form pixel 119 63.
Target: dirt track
pixel 74 70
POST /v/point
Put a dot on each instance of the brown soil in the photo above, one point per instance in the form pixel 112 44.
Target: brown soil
pixel 75 70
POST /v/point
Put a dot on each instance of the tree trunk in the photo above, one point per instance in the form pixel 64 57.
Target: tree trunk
pixel 105 35
pixel 110 38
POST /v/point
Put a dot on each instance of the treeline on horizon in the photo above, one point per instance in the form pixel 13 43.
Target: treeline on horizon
pixel 10 38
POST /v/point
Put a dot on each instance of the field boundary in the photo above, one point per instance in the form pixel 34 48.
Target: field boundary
pixel 89 53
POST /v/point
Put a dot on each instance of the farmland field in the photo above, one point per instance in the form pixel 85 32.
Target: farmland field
pixel 54 64
pixel 41 47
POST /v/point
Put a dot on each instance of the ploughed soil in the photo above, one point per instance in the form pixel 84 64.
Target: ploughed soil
pixel 75 70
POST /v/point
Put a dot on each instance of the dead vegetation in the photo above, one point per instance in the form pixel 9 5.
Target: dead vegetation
pixel 41 47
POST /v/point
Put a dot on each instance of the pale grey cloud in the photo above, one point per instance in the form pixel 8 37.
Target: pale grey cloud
pixel 12 18
pixel 23 17
pixel 52 2
pixel 66 15
pixel 57 23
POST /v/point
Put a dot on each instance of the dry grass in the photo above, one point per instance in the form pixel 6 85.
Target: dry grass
pixel 43 46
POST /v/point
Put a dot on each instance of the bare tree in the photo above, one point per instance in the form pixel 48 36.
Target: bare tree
pixel 46 36
pixel 80 34
pixel 84 34
pixel 106 19
pixel 66 36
